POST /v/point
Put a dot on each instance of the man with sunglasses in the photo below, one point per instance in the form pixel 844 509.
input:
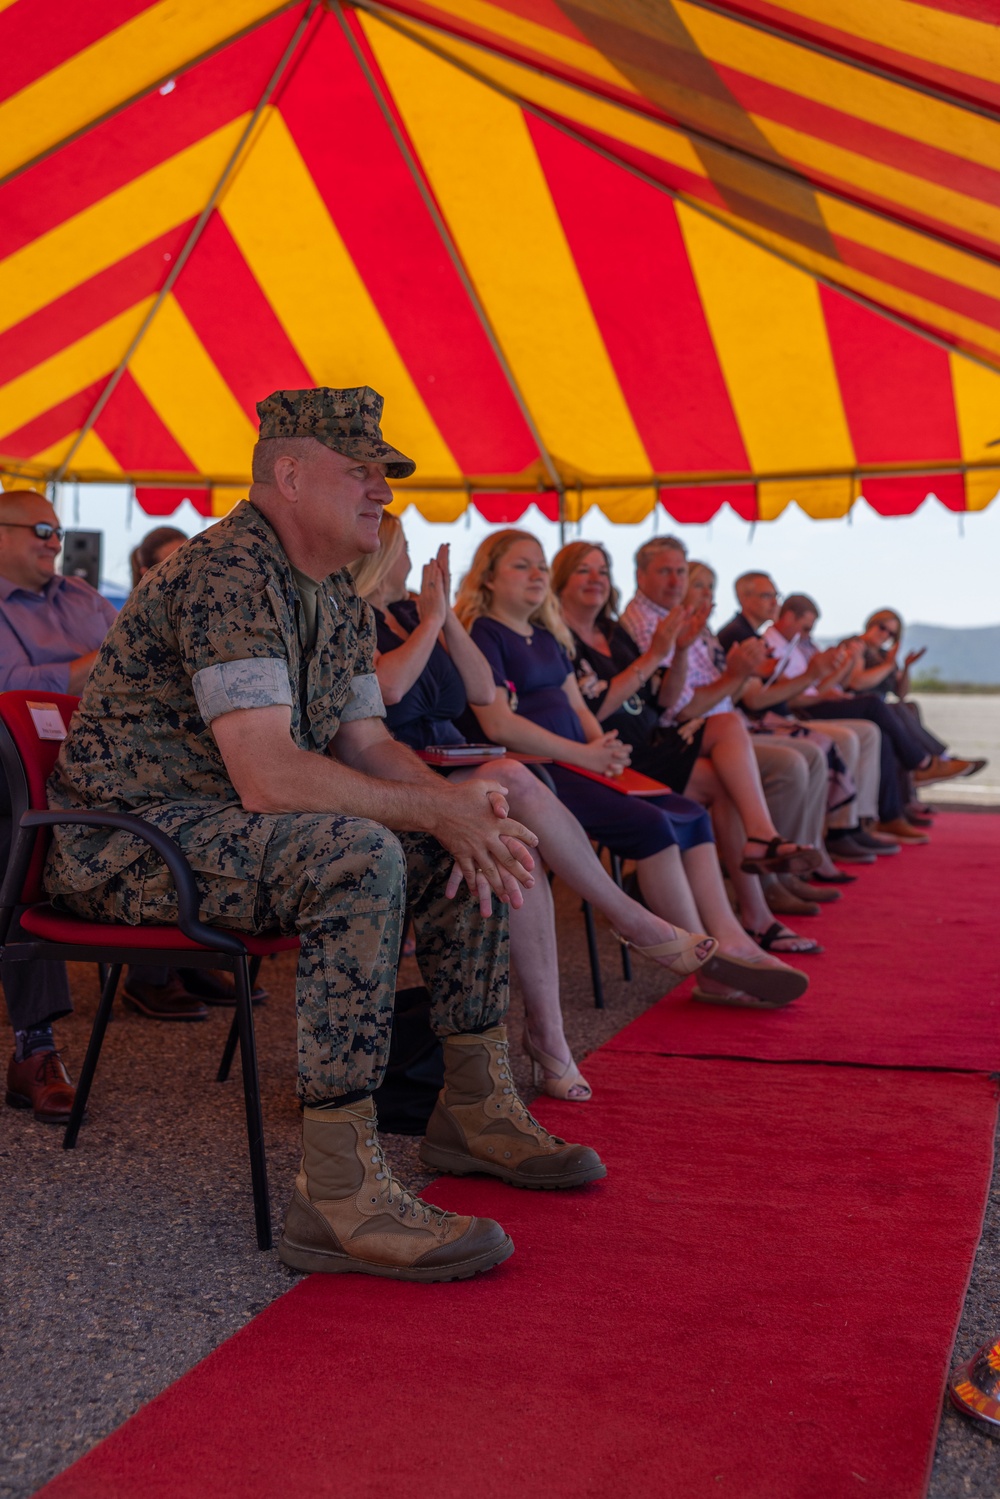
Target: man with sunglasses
pixel 50 631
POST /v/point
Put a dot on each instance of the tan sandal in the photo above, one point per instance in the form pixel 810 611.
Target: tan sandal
pixel 557 1079
pixel 739 999
pixel 683 949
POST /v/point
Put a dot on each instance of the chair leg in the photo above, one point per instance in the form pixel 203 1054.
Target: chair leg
pixel 616 875
pixel 228 1051
pixel 595 962
pixel 251 1098
pixel 113 974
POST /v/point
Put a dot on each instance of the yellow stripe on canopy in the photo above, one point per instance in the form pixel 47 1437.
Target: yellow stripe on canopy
pixel 303 267
pixel 920 310
pixel 513 244
pixel 822 499
pixel 771 340
pixel 612 119
pixel 125 62
pixel 926 32
pixel 226 497
pixel 579 56
pixel 432 504
pixel 977 407
pixel 189 395
pixel 107 231
pixel 838 85
pixel 92 457
pixel 930 199
pixel 626 507
pixel 982 485
pixel 71 370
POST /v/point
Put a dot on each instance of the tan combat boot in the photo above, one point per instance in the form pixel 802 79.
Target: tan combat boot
pixel 480 1124
pixel 347 1213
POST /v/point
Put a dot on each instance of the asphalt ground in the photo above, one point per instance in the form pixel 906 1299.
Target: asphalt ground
pixel 126 1261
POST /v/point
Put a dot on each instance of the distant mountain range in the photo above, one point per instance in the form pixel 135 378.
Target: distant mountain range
pixel 956 655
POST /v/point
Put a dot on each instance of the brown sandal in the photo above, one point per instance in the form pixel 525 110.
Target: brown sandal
pixel 802 858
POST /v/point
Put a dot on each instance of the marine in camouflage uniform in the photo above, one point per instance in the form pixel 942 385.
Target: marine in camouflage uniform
pixel 220 626
pixel 226 626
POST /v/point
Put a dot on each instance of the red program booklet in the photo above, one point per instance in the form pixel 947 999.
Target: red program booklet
pixel 629 783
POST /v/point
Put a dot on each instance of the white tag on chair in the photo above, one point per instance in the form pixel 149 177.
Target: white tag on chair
pixel 47 720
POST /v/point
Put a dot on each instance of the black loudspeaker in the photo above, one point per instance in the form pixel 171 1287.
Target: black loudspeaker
pixel 81 556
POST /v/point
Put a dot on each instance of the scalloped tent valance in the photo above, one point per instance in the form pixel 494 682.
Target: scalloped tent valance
pixel 591 251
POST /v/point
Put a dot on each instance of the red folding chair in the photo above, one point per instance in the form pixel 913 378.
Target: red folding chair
pixel 27 761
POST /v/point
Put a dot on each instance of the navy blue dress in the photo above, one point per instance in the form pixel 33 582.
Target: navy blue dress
pixel 634 826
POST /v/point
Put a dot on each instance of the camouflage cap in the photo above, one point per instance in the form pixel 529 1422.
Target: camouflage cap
pixel 345 420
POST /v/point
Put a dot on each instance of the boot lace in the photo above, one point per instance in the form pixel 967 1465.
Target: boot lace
pixel 517 1107
pixel 397 1196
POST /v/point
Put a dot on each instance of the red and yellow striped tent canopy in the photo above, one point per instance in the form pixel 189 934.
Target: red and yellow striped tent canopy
pixel 591 251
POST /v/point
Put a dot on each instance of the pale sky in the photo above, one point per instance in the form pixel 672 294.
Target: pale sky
pixel 921 565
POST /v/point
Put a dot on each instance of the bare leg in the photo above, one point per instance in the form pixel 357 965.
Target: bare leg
pixel 566 849
pixel 730 749
pixel 754 913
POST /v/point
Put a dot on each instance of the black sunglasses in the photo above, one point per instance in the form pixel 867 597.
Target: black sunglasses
pixel 41 528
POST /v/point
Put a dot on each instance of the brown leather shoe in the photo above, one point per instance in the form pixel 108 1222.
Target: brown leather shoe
pixel 902 831
pixel 480 1124
pixel 807 891
pixel 41 1083
pixel 785 902
pixel 943 770
pixel 214 986
pixel 169 1001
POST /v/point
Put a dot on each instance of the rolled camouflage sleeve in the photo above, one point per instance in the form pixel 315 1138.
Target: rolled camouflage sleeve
pixel 226 687
pixel 365 700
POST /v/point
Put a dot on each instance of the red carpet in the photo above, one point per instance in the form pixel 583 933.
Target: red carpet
pixel 759 1302
pixel 910 977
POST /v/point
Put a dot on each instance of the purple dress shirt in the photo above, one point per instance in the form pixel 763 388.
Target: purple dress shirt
pixel 41 633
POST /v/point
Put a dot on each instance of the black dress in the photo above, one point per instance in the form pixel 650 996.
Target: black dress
pixel 635 826
pixel 657 751
pixel 425 715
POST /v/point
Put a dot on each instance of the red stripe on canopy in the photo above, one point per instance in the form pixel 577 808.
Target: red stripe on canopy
pixel 51 425
pixel 220 297
pixel 38 35
pixel 873 141
pixel 962 299
pixel 136 437
pixel 138 138
pixel 629 251
pixel 896 389
pixel 699 502
pixel 374 203
pixel 163 501
pixel 505 509
pixel 88 305
pixel 901 494
pixel 962 85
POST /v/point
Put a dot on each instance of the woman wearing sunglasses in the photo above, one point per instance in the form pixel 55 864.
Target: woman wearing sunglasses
pixel 878 670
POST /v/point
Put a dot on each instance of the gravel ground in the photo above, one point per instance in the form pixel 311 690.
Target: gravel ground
pixel 132 1257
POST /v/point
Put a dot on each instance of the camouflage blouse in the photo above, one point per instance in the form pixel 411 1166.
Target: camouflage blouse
pixel 216 627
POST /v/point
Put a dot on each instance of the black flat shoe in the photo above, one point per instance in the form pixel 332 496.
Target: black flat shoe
pixel 840 878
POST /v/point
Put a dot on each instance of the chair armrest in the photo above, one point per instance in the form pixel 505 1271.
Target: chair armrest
pixel 172 856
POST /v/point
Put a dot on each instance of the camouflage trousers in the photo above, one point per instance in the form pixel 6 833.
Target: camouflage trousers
pixel 344 886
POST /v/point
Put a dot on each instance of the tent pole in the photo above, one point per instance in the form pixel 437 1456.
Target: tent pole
pixel 389 19
pixel 191 241
pixel 444 234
